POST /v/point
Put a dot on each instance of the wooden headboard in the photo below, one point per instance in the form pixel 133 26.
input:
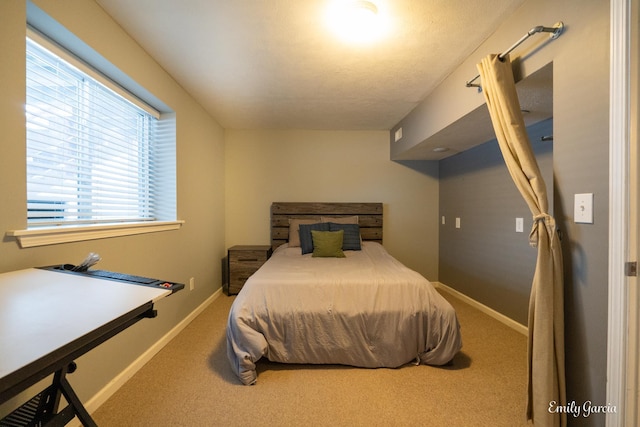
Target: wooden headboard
pixel 369 217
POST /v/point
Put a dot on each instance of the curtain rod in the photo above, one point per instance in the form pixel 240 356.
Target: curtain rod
pixel 555 31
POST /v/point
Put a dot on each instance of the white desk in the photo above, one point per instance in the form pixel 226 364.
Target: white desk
pixel 49 318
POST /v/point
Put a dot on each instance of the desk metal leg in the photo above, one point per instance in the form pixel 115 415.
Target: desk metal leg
pixel 42 410
pixel 74 407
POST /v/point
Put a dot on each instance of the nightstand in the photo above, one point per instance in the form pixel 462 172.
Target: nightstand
pixel 244 260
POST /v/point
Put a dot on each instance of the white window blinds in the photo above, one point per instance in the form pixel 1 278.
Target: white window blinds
pixel 90 151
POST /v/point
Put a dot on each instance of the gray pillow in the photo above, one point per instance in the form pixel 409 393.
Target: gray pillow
pixel 306 240
pixel 351 239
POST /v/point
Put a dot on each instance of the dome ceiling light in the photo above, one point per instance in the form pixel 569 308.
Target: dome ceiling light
pixel 356 21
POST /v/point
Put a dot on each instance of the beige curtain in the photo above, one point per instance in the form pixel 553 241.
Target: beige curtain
pixel 546 311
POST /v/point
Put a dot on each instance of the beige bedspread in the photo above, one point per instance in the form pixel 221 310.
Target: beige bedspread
pixel 365 310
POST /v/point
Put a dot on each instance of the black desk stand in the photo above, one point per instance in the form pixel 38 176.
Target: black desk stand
pixel 43 409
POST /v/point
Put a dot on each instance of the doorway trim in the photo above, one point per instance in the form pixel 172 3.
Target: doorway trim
pixel 619 143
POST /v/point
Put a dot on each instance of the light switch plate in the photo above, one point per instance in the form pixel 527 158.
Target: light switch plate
pixel 457 222
pixel 520 225
pixel 583 208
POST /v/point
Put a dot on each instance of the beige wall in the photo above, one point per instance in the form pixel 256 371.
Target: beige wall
pixel 331 166
pixel 192 251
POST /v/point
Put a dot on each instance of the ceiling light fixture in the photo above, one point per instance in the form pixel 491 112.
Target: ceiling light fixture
pixel 366 7
pixel 356 21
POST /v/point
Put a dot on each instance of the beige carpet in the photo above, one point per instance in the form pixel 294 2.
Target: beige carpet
pixel 189 383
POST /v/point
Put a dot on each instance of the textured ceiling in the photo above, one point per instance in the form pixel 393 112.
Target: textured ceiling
pixel 257 64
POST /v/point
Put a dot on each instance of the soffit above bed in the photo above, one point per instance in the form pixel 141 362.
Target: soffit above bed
pixel 273 64
pixel 535 93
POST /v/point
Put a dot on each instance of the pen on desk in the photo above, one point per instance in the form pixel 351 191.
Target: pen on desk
pixel 89 261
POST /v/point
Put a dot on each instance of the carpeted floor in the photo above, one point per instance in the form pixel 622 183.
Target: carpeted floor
pixel 189 383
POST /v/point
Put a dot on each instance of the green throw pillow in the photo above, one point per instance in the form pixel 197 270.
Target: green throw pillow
pixel 327 243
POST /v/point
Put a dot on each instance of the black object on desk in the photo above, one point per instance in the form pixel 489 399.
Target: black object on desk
pixel 119 277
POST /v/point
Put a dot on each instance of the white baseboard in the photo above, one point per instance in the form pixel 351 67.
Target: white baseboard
pixel 107 391
pixel 483 308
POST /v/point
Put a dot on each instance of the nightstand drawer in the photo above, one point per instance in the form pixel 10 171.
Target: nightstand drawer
pixel 248 257
pixel 243 262
pixel 236 284
pixel 241 274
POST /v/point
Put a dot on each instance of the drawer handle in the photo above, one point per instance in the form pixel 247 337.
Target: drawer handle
pixel 247 259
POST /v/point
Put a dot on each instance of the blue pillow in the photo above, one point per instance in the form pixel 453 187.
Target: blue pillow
pixel 306 241
pixel 351 239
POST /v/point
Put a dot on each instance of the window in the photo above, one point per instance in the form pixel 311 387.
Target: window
pixel 96 154
pixel 90 152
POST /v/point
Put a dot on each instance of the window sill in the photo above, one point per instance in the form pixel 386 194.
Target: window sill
pixel 33 237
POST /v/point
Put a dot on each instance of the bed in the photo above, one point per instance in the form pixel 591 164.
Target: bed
pixel 353 305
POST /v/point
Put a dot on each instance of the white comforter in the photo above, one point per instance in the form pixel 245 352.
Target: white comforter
pixel 365 310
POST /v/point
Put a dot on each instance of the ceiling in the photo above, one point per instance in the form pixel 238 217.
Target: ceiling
pixel 256 64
